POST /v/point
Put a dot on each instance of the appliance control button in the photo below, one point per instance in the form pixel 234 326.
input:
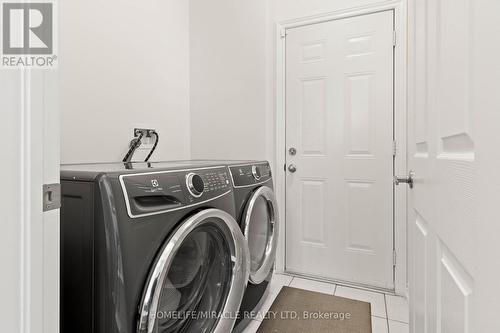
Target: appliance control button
pixel 256 172
pixel 195 185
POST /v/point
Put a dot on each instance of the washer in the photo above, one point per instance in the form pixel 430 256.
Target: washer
pixel 257 213
pixel 150 248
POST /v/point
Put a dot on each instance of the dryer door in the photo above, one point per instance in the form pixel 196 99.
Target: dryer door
pixel 198 280
pixel 260 227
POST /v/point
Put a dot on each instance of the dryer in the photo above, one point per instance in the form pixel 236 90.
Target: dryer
pixel 150 248
pixel 257 214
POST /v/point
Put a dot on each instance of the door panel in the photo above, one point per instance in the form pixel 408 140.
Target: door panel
pixel 313 209
pixel 442 205
pixel 420 261
pixel 312 117
pixel 339 93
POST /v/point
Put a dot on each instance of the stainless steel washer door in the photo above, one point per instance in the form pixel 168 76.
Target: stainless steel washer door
pixel 260 225
pixel 199 278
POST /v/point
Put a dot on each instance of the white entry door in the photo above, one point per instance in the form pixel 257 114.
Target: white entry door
pixel 454 232
pixel 339 187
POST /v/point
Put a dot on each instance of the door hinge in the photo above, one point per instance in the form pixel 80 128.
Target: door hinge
pixel 51 197
pixel 394 38
pixel 394 258
pixel 283 33
pixel 394 148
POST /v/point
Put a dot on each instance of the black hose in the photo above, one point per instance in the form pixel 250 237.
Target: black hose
pixel 134 144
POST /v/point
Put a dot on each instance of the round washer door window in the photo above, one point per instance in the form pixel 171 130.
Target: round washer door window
pixel 198 280
pixel 261 232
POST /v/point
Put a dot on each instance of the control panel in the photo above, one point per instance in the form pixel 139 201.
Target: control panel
pixel 156 192
pixel 251 174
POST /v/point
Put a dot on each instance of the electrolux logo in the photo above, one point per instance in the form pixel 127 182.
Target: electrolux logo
pixel 28 35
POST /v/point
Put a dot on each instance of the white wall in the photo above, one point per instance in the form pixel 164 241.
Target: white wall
pixel 201 72
pixel 123 63
pixel 228 78
pixel 232 72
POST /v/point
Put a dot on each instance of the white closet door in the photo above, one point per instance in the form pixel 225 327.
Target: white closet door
pixel 453 148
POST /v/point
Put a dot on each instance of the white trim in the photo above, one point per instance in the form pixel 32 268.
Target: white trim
pixel 280 151
pixel 339 14
pixel 26 208
pixel 30 285
pixel 127 203
pixel 400 135
pixel 400 118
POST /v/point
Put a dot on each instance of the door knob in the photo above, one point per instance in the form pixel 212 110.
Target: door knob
pixel 292 168
pixel 403 179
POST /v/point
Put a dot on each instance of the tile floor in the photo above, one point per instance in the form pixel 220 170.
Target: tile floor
pixel 389 313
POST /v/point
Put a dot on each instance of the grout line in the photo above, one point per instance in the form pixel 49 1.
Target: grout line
pixel 364 290
pixel 378 316
pixel 398 321
pixel 334 285
pixel 386 314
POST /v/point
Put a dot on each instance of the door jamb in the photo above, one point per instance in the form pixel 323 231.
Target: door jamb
pixel 400 124
pixel 32 125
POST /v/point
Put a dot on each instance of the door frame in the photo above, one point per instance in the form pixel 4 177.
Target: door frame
pixel 400 125
pixel 32 124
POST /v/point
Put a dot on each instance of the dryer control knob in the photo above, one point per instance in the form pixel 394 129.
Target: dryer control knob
pixel 256 172
pixel 195 184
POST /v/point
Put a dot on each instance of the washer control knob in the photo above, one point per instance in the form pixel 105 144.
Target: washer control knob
pixel 195 185
pixel 256 172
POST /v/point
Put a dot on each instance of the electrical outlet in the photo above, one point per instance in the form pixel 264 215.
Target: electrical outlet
pixel 148 140
pixel 147 143
pixel 146 132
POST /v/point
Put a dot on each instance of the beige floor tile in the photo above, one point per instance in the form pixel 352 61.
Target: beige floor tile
pixel 375 299
pixel 320 287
